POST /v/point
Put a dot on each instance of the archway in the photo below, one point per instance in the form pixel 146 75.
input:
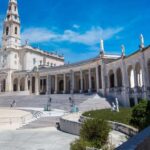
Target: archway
pixel 139 75
pixel 61 86
pixel 22 84
pixel 131 77
pixel 119 77
pixel 111 79
pixel 68 86
pixel 93 83
pixel 33 84
pixel 15 85
pixel 3 85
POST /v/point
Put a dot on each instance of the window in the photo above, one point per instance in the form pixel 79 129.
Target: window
pixel 7 30
pixel 16 17
pixel 15 8
pixel 16 30
pixel 8 17
pixel 40 62
pixel 15 55
pixel 9 7
pixel 34 61
pixel 48 63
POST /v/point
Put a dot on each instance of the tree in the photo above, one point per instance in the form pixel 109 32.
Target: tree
pixel 140 115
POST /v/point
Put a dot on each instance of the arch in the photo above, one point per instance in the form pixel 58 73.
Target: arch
pixel 2 85
pixel 93 83
pixel 131 77
pixel 29 84
pixel 139 75
pixel 15 85
pixel 111 79
pixel 68 85
pixel 22 84
pixel 119 77
pixel 61 86
pixel 33 84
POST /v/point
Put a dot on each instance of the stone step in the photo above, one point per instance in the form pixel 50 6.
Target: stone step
pixel 42 122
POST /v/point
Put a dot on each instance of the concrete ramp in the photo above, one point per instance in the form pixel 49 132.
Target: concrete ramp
pixel 93 103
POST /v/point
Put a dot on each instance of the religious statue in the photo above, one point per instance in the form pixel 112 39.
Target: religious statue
pixel 117 105
pixel 142 41
pixel 113 106
pixel 123 50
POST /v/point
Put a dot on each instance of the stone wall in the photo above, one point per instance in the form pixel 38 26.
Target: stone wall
pixel 128 130
pixel 71 127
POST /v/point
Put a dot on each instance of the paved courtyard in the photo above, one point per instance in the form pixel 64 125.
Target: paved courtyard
pixel 41 133
pixel 35 139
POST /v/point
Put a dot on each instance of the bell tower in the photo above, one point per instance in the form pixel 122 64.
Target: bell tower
pixel 11 29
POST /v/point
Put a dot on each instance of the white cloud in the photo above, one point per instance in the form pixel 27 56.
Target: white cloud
pixel 76 26
pixel 35 35
pixel 89 37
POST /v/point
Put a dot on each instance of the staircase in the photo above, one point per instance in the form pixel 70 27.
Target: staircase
pixel 93 103
pixel 59 101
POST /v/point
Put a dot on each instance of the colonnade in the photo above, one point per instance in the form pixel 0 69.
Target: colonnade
pixel 81 81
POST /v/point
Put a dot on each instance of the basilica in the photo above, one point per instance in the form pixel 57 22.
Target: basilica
pixel 25 70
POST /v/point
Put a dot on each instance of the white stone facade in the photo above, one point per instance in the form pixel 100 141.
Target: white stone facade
pixel 25 69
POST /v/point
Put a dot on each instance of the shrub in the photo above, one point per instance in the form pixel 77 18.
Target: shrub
pixel 95 131
pixel 79 145
pixel 140 115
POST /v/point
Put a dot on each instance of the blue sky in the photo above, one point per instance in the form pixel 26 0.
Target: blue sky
pixel 75 27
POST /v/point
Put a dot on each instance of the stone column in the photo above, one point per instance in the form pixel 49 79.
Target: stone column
pixel 125 84
pixel 72 82
pixel 18 84
pixel 64 83
pixel 56 84
pixel 31 84
pixel 115 77
pixel 81 81
pixel 144 75
pixel 135 87
pixel 90 86
pixel 103 77
pixel 37 84
pixel 26 83
pixel 97 79
pixel 48 84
